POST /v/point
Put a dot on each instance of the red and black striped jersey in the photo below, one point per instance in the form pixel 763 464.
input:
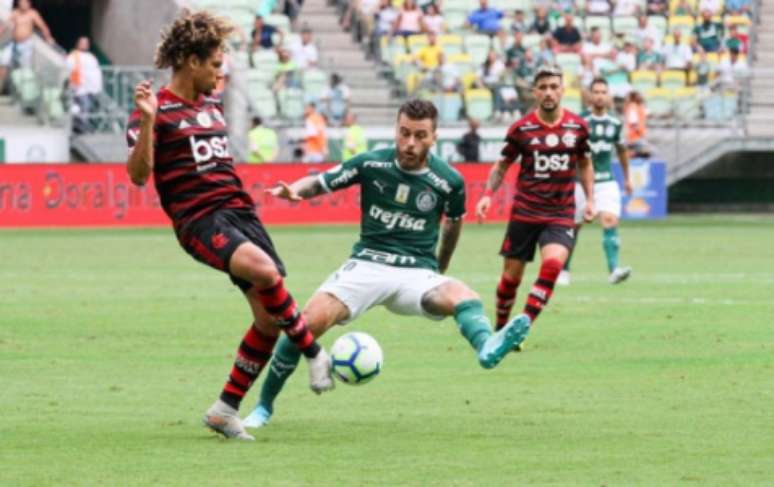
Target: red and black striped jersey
pixel 545 188
pixel 193 170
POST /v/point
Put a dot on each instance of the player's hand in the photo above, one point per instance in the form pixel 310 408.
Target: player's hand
pixel 482 208
pixel 588 212
pixel 628 187
pixel 282 190
pixel 145 99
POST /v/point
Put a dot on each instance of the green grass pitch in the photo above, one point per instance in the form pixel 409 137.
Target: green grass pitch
pixel 114 342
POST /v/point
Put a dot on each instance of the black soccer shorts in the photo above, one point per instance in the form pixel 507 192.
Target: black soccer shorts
pixel 521 239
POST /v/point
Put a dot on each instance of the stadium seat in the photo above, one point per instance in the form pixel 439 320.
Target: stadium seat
pixel 730 104
pixel 391 47
pixel 291 101
pixel 673 79
pixel 687 103
pixel 450 105
pixel 626 25
pixel 714 110
pixel 683 23
pixel 569 62
pixel 530 41
pixel 402 65
pixel 455 20
pixel 416 42
pixel 469 79
pixel 659 102
pixel 742 22
pixel 572 100
pixel 659 22
pixel 477 45
pixel 478 104
pixel 314 82
pixel 463 61
pixel 262 77
pixel 602 22
pixel 643 80
pixel 413 81
pixel 52 98
pixel 263 100
pixel 26 86
pixel 451 44
pixel 265 59
pixel 674 3
pixel 280 21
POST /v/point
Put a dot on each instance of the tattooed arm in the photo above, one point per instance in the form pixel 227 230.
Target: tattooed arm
pixel 496 177
pixel 450 235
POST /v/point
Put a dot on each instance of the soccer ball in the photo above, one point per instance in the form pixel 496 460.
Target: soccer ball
pixel 357 358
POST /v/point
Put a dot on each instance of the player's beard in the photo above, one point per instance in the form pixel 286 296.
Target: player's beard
pixel 414 161
pixel 549 106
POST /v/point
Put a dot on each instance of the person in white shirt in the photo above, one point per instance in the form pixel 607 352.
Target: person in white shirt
pixel 432 21
pixel 627 58
pixel 305 53
pixel 85 77
pixel 713 5
pixel 595 49
pixel 677 55
pixel 626 8
pixel 598 7
pixel 646 30
pixel 732 69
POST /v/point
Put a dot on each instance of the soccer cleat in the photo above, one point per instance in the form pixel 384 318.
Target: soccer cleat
pixel 320 378
pixel 222 418
pixel 564 278
pixel 504 341
pixel 258 418
pixel 619 274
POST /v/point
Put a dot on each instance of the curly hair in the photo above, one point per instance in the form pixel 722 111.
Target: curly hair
pixel 419 110
pixel 193 33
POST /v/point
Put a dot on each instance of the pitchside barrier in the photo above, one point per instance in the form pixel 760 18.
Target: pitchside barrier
pixel 101 195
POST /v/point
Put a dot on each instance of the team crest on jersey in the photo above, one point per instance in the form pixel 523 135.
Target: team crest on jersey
pixel 552 140
pixel 569 139
pixel 402 195
pixel 204 119
pixel 426 201
pixel 610 131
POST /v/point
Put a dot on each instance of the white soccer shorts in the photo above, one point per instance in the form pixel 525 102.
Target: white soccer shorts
pixel 361 285
pixel 607 198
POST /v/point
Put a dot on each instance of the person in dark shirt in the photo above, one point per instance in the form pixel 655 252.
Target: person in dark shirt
pixel 468 147
pixel 263 35
pixel 540 25
pixel 568 37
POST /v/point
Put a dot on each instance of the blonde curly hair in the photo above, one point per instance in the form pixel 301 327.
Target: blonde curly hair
pixel 192 33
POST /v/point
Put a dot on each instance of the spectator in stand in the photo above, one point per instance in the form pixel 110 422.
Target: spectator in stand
pixel 356 11
pixel 516 52
pixel 598 7
pixel 540 25
pixel 485 19
pixel 315 135
pixel 519 23
pixel 595 50
pixel 626 8
pixel 736 40
pixel 355 141
pixel 714 6
pixel 305 53
pixel 732 70
pixel 432 21
pixel 285 74
pixel 468 146
pixel 646 30
pixel 649 58
pixel 635 119
pixel 446 76
pixel 490 75
pixel 703 71
pixel 262 35
pixel 678 54
pixel 85 83
pixel 708 33
pixel 384 21
pixel 335 99
pixel 427 56
pixel 684 9
pixel 567 6
pixel 546 51
pixel 657 7
pixel 23 21
pixel 567 37
pixel 262 142
pixel 738 7
pixel 409 20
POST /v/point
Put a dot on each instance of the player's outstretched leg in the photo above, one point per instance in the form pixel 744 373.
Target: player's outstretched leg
pixel 543 288
pixel 505 298
pixel 253 353
pixel 564 278
pixel 283 364
pixel 612 244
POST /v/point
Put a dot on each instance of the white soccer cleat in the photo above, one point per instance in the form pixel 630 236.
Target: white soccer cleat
pixel 564 278
pixel 222 418
pixel 320 378
pixel 619 274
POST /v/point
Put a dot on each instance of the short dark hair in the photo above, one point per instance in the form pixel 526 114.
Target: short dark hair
pixel 257 120
pixel 546 71
pixel 598 81
pixel 419 110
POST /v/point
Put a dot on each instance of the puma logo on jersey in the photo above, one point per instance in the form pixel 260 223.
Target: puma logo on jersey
pixel 393 219
pixel 554 162
pixel 205 149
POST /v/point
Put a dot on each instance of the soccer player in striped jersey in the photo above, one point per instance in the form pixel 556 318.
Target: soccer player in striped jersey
pixel 552 145
pixel 179 136
pixel 605 135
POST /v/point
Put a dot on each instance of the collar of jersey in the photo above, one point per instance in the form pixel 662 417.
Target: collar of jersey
pixel 192 104
pixel 599 117
pixel 418 172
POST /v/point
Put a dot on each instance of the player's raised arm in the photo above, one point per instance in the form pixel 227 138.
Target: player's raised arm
pixel 140 134
pixel 493 182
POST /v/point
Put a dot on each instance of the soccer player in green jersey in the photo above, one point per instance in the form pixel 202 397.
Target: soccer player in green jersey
pixel 605 135
pixel 407 195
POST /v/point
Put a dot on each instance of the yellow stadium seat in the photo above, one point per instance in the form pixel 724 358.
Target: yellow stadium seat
pixel 572 100
pixel 417 42
pixel 687 103
pixel 659 101
pixel 684 23
pixel 673 78
pixel 468 79
pixel 451 44
pixel 478 103
pixel 643 79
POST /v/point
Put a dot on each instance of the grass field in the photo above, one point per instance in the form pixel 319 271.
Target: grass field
pixel 113 343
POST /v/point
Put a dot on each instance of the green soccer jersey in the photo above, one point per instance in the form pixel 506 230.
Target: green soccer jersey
pixel 401 210
pixel 605 132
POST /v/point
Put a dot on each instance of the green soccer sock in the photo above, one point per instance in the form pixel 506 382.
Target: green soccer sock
pixel 473 323
pixel 284 362
pixel 611 244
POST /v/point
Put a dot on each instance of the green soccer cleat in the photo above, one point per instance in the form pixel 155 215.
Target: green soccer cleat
pixel 504 341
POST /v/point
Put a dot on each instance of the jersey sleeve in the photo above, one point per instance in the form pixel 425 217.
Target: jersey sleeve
pixel 619 135
pixel 342 176
pixel 133 131
pixel 583 149
pixel 511 149
pixel 455 203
